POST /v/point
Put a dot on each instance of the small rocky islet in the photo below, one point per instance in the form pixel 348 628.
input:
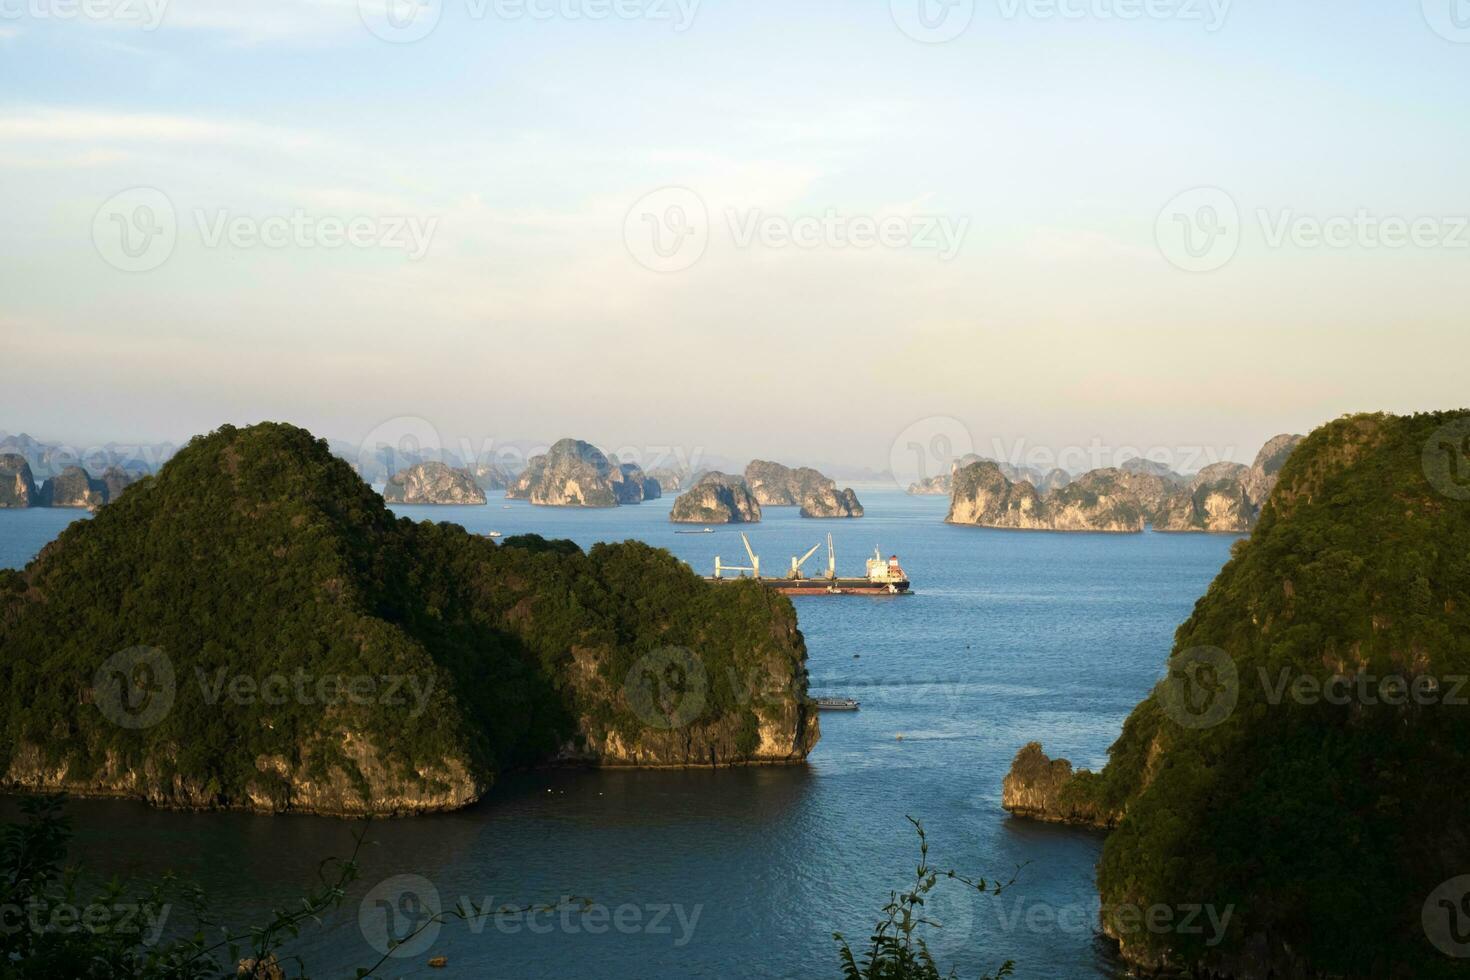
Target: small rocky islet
pixel 717 498
pixel 434 483
pixel 573 473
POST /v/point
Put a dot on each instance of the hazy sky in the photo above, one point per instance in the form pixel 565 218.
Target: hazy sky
pixel 803 230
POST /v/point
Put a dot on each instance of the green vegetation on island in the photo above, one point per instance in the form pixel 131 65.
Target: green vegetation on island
pixel 252 627
pixel 1304 764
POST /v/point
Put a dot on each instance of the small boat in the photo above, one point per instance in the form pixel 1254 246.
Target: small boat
pixel 837 704
pixel 494 534
pixel 707 530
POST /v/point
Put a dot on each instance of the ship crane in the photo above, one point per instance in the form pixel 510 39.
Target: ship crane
pixel 796 563
pixel 754 568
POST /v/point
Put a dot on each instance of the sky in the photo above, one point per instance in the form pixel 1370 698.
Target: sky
pixel 838 232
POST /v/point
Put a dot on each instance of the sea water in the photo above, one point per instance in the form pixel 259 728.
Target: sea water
pixel 1009 637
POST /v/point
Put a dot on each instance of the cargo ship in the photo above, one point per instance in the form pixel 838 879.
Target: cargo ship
pixel 884 576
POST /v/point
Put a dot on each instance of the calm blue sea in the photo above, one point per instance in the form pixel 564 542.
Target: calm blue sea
pixel 1010 637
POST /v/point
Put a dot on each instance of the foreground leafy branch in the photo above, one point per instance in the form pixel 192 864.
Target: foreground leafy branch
pixel 897 949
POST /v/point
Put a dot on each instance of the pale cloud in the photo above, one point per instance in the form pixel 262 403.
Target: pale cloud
pixel 69 125
pixel 260 21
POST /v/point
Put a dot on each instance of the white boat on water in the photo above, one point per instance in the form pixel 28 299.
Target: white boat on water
pixel 837 704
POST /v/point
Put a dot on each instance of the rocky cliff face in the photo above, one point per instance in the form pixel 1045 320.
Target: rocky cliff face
pixel 634 486
pixel 984 497
pixel 1110 500
pixel 372 786
pixel 17 487
pixel 1216 501
pixel 1046 789
pixel 115 480
pixel 433 483
pixel 1152 467
pixel 73 487
pixel 574 473
pixel 831 502
pixel 717 498
pixel 1223 497
pixel 1104 500
pixel 674 479
pixel 775 485
pixel 778 725
pixel 493 477
pixel 1226 497
pixel 1267 467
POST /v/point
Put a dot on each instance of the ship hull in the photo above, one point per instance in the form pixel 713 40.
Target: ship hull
pixel 841 586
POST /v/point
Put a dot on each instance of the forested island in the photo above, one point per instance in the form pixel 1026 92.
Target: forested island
pixel 432 659
pixel 1304 762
